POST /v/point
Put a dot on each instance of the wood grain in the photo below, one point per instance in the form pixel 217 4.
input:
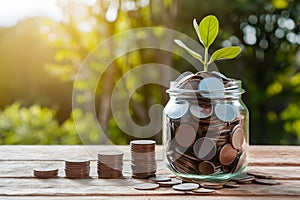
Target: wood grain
pixel 17 181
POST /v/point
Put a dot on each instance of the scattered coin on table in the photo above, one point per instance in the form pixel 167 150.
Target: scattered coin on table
pixel 146 186
pixel 186 186
pixel 204 190
pixel 265 181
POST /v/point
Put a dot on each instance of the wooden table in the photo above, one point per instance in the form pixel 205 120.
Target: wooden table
pixel 17 181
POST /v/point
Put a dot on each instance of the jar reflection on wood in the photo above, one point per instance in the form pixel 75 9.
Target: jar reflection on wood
pixel 205 127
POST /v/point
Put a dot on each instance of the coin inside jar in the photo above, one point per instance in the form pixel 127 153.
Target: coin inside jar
pixel 178 110
pixel 211 88
pixel 201 111
pixel 205 148
pixel 206 167
pixel 237 137
pixel 225 112
pixel 185 135
pixel 227 154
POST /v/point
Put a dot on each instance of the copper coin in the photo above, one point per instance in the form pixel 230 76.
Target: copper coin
pixel 265 181
pixel 211 88
pixel 186 186
pixel 221 75
pixel 192 84
pixel 227 154
pixel 201 111
pixel 185 135
pixel 260 175
pixel 231 184
pixel 225 112
pixel 206 168
pixel 146 186
pixel 237 137
pixel 178 110
pixel 173 181
pixel 205 148
pixel 241 162
pixel 242 178
pixel 211 185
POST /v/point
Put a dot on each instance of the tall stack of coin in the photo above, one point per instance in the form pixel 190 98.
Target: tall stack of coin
pixel 205 126
pixel 143 164
pixel 77 168
pixel 110 164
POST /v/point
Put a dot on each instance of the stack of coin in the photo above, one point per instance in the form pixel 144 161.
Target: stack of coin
pixel 45 172
pixel 110 164
pixel 77 168
pixel 143 164
pixel 205 127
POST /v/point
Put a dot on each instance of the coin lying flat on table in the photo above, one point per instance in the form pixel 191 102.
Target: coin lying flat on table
pixel 186 186
pixel 265 181
pixel 204 190
pixel 146 186
pixel 211 185
pixel 231 184
pixel 159 178
pixel 260 175
pixel 173 181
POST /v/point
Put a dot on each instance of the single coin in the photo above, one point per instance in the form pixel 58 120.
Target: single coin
pixel 178 110
pixel 215 186
pixel 260 175
pixel 265 181
pixel 231 184
pixel 211 88
pixel 206 168
pixel 203 190
pixel 43 170
pixel 237 137
pixel 227 154
pixel 186 186
pixel 142 142
pixel 205 148
pixel 159 178
pixel 185 135
pixel 201 111
pixel 146 186
pixel 242 160
pixel 192 84
pixel 242 178
pixel 225 112
pixel 174 181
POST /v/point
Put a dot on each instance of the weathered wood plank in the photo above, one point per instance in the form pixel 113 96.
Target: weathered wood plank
pixel 124 187
pixel 148 197
pixel 23 169
pixel 259 155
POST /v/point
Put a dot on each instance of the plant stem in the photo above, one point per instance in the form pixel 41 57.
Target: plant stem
pixel 206 60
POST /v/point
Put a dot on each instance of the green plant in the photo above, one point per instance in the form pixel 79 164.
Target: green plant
pixel 207 32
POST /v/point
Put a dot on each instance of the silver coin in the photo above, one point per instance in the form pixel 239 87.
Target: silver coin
pixel 225 112
pixel 159 178
pixel 201 112
pixel 203 190
pixel 186 186
pixel 178 110
pixel 205 148
pixel 266 181
pixel 211 88
pixel 146 186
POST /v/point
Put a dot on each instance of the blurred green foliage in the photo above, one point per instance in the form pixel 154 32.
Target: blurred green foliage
pixel 40 68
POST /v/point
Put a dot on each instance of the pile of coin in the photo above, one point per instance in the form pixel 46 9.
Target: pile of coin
pixel 45 172
pixel 205 125
pixel 143 164
pixel 110 164
pixel 77 168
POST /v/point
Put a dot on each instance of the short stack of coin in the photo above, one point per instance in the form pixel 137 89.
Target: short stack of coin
pixel 77 168
pixel 110 164
pixel 143 164
pixel 205 127
pixel 45 172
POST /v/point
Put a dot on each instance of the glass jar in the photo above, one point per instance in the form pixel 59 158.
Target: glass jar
pixel 205 127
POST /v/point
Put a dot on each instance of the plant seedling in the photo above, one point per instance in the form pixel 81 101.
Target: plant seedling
pixel 207 32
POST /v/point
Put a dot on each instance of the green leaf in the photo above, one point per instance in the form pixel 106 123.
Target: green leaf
pixel 209 28
pixel 196 27
pixel 226 53
pixel 190 51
